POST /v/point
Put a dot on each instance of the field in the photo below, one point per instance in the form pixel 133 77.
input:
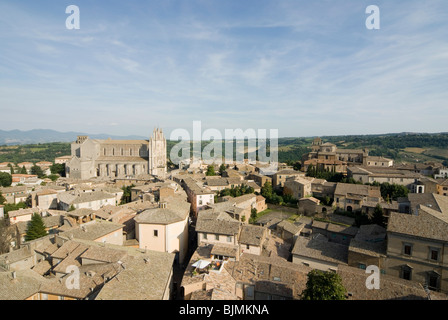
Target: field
pixel 34 152
pixel 414 150
pixel 410 148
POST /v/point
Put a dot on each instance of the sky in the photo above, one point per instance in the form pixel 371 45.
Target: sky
pixel 305 68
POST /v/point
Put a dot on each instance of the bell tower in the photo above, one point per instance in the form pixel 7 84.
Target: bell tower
pixel 157 153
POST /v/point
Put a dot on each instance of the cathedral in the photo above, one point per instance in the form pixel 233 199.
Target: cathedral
pixel 117 158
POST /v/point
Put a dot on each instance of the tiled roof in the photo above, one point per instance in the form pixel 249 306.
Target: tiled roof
pixel 391 288
pixel 290 227
pixel 176 210
pixel 429 224
pixel 26 284
pixel 252 235
pixel 217 223
pixel 92 230
pixel 319 249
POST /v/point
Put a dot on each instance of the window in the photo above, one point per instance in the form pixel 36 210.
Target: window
pixel 407 249
pixel 229 239
pixel 156 233
pixel 250 291
pixel 205 236
pixel 406 272
pixel 362 266
pixel 217 237
pixel 434 254
pixel 433 280
pixel 247 246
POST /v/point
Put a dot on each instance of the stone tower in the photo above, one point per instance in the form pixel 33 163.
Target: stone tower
pixel 157 154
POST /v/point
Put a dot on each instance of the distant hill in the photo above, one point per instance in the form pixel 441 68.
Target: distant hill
pixel 18 137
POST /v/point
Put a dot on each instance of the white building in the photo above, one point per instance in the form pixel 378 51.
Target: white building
pixel 85 200
pixel 165 229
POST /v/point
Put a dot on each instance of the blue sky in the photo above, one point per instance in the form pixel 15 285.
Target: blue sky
pixel 303 67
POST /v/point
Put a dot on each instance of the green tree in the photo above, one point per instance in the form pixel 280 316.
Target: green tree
pixel 126 197
pixel 378 216
pixel 58 168
pixel 210 171
pixel 23 170
pixel 53 177
pixel 266 190
pixel 393 191
pixel 222 169
pixel 11 168
pixel 5 179
pixel 323 285
pixel 37 171
pixel 36 228
pixel 2 198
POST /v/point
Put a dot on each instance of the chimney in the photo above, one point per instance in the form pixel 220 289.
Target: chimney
pixel 163 205
pixel 14 275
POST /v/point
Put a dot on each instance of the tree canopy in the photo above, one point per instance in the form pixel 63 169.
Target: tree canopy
pixel 323 286
pixel 210 171
pixel 36 228
pixel 5 179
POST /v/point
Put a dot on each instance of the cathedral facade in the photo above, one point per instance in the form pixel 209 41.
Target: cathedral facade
pixel 117 158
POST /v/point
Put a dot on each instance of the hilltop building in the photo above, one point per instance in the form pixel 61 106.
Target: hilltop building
pixel 117 158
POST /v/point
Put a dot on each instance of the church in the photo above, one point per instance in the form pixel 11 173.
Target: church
pixel 117 158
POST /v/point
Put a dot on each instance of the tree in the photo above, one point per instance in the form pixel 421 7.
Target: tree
pixel 266 190
pixel 23 170
pixel 253 215
pixel 393 191
pixel 5 179
pixel 53 177
pixel 58 168
pixel 11 168
pixel 2 198
pixel 126 197
pixel 222 169
pixel 210 171
pixel 378 216
pixel 37 171
pixel 323 285
pixel 36 228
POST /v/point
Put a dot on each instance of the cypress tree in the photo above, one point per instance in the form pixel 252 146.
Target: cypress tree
pixel 36 228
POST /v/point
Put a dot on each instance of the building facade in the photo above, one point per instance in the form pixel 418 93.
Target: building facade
pixel 117 158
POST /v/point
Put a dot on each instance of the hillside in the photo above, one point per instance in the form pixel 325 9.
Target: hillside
pixel 18 137
pixel 409 147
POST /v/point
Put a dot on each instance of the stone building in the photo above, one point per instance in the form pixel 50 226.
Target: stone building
pixel 326 156
pixel 117 158
pixel 417 245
